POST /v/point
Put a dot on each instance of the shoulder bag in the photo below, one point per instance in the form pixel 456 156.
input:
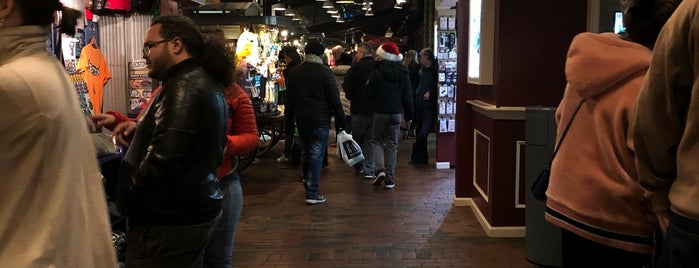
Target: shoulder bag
pixel 542 181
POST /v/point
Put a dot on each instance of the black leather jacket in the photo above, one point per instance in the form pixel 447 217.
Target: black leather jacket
pixel 177 145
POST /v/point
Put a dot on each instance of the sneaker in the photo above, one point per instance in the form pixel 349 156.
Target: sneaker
pixel 369 176
pixel 283 159
pixel 315 200
pixel 388 183
pixel 379 179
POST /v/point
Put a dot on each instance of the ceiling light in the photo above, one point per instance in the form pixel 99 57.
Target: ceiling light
pixel 289 12
pixel 278 8
pixel 296 17
pixel 320 0
pixel 332 11
pixel 369 12
pixel 335 15
pixel 398 6
pixel 328 4
pixel 340 20
pixel 345 1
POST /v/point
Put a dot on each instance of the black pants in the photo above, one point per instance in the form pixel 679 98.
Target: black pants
pixel 424 121
pixel 681 245
pixel 155 246
pixel 583 253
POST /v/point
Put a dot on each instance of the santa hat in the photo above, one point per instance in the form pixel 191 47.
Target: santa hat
pixel 389 51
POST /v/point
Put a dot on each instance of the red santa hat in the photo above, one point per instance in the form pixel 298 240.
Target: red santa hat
pixel 389 51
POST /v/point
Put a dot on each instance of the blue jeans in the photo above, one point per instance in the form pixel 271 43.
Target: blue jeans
pixel 361 133
pixel 681 244
pixel 219 251
pixel 314 140
pixel 384 139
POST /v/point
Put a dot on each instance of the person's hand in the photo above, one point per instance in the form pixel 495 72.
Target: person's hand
pixel 103 119
pixel 123 132
pixel 426 96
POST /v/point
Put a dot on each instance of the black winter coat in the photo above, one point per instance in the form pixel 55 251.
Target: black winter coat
pixel 355 86
pixel 312 97
pixel 170 165
pixel 389 89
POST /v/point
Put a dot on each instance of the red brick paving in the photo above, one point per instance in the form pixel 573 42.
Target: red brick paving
pixel 413 225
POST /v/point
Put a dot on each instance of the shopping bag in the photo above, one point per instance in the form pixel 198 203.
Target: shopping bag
pixel 350 152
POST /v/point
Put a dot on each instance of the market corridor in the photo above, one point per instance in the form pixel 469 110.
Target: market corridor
pixel 413 225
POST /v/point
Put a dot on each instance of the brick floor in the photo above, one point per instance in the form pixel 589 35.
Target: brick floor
pixel 413 225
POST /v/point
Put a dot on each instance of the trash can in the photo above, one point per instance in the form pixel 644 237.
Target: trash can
pixel 542 239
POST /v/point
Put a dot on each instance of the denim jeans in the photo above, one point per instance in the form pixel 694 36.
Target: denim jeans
pixel 384 140
pixel 681 244
pixel 219 251
pixel 361 133
pixel 314 141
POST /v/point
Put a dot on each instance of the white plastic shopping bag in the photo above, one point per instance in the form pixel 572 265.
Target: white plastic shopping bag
pixel 350 152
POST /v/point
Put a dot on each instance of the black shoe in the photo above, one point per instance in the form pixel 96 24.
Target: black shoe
pixel 388 183
pixel 379 178
pixel 315 200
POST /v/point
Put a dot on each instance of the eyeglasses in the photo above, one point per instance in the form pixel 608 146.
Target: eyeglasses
pixel 147 46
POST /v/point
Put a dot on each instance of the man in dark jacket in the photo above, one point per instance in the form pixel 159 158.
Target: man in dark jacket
pixel 425 106
pixel 390 93
pixel 355 91
pixel 173 201
pixel 312 98
pixel 292 148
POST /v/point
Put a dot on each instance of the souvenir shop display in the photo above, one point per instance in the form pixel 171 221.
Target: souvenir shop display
pixel 140 86
pixel 446 61
pixel 83 96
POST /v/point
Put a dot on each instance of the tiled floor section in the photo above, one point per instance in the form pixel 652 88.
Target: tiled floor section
pixel 413 225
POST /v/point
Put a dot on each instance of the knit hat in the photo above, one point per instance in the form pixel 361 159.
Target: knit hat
pixel 315 48
pixel 389 51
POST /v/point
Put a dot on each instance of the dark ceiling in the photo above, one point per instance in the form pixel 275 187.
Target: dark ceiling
pixel 316 20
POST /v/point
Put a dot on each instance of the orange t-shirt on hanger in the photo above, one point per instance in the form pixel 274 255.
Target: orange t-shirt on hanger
pixel 94 68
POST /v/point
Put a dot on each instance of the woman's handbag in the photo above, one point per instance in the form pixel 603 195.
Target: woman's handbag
pixel 542 181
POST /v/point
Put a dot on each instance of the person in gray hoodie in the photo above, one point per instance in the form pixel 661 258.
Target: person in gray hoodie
pixel 390 94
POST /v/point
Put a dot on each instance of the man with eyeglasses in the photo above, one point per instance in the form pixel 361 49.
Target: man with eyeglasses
pixel 173 200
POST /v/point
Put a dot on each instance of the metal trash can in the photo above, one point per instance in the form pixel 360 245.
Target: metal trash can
pixel 542 239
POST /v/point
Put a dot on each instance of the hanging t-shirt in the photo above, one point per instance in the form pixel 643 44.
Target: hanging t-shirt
pixel 118 5
pixel 94 68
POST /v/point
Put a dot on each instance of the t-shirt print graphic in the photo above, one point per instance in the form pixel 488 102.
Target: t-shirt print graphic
pixel 95 71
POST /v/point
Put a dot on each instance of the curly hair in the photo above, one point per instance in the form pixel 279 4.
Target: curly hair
pixel 219 58
pixel 183 27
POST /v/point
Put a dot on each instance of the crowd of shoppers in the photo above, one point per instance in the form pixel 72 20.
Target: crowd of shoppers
pixel 635 186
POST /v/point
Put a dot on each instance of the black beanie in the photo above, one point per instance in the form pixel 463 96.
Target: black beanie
pixel 315 48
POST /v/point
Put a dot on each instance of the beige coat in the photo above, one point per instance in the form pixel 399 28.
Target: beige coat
pixel 53 209
pixel 339 71
pixel 666 130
